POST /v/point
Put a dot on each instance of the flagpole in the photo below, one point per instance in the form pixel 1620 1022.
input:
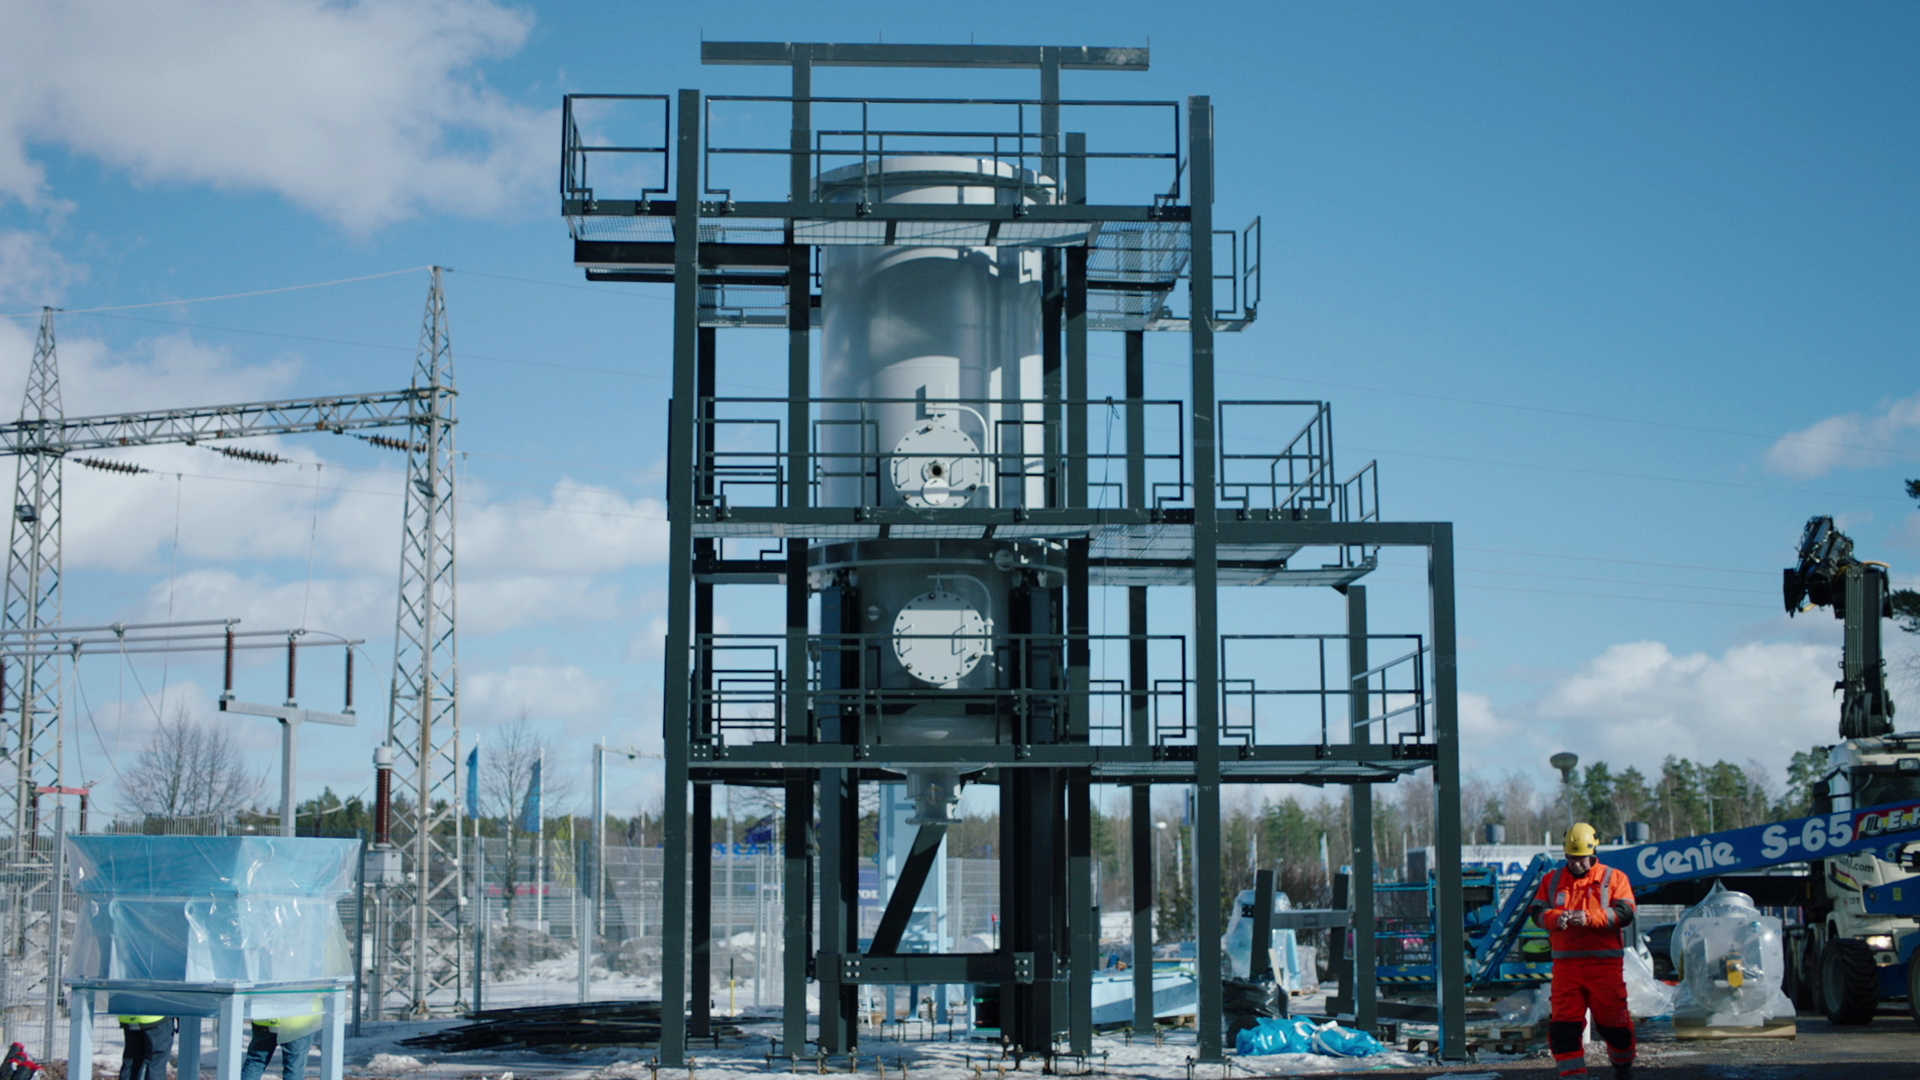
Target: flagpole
pixel 539 847
pixel 600 834
pixel 479 874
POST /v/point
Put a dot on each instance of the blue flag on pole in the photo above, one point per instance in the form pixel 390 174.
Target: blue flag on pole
pixel 473 783
pixel 761 832
pixel 530 814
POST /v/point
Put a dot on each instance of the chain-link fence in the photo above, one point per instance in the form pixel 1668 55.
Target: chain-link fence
pixel 527 909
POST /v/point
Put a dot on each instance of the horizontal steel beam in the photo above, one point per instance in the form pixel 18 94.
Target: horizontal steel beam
pixel 292 714
pixel 717 214
pixel 1311 919
pixel 827 54
pixel 350 412
pixel 927 968
pixel 838 755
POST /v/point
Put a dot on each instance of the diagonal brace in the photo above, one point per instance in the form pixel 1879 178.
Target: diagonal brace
pixel 906 890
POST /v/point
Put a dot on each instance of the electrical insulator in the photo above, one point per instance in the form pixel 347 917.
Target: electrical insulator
pixel 260 457
pixel 126 467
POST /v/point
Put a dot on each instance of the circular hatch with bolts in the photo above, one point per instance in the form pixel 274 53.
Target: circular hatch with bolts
pixel 939 637
pixel 936 465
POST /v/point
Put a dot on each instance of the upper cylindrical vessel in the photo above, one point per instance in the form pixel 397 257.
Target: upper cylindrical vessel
pixel 941 345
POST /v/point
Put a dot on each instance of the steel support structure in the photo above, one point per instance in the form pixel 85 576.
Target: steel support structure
pixel 33 687
pixel 424 954
pixel 423 715
pixel 1174 719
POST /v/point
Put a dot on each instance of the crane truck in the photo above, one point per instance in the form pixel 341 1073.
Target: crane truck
pixel 1859 935
pixel 1851 950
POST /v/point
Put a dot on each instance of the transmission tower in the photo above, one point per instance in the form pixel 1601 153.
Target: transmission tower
pixel 418 937
pixel 33 686
pixel 423 719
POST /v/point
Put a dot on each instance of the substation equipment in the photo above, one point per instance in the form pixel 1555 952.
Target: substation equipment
pixel 420 921
pixel 942 509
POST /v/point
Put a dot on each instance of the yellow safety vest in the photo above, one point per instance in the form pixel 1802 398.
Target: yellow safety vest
pixel 288 1028
pixel 141 1021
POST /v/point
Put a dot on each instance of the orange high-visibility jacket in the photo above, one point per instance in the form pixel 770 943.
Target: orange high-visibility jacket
pixel 1603 893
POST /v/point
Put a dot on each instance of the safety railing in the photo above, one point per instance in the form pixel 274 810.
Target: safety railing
pixel 1262 467
pixel 1239 284
pixel 754 149
pixel 1016 692
pixel 640 168
pixel 1276 689
pixel 955 453
pixel 739 687
pixel 1282 688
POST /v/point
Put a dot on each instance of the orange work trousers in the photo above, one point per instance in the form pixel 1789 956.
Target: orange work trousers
pixel 1586 984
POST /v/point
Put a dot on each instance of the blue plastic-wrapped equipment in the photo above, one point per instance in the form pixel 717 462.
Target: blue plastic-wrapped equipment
pixel 1296 1036
pixel 1275 1036
pixel 211 909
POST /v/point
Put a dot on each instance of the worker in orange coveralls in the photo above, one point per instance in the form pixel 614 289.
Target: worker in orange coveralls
pixel 1582 906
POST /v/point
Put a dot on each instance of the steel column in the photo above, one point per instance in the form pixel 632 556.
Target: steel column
pixel 1206 586
pixel 1363 990
pixel 796 909
pixel 1450 909
pixel 839 907
pixel 683 447
pixel 700 851
pixel 1139 704
pixel 799 726
pixel 1082 905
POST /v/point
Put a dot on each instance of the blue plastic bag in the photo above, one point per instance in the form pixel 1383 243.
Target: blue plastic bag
pixel 1275 1035
pixel 1345 1042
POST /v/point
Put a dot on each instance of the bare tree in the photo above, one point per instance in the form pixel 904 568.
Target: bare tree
pixel 189 769
pixel 507 759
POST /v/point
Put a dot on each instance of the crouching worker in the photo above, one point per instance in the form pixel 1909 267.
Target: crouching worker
pixel 1583 906
pixel 292 1035
pixel 145 1043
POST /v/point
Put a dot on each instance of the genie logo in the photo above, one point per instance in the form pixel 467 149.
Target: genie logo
pixel 1820 836
pixel 1687 857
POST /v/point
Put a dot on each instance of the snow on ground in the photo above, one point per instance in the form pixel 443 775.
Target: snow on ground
pixel 914 1054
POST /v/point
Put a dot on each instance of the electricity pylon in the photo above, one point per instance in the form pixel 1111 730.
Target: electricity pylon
pixel 422 951
pixel 33 686
pixel 28 961
pixel 423 719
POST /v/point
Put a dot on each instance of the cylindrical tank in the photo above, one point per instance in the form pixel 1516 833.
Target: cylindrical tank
pixel 939 350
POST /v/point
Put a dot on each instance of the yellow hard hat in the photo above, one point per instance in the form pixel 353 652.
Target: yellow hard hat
pixel 1582 840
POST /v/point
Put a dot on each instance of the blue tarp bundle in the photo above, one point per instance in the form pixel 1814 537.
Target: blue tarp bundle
pixel 200 909
pixel 1293 1036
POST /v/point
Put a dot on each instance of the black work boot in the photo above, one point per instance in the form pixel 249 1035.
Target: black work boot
pixel 1623 1072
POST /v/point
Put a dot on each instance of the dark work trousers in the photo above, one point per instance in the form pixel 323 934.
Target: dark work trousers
pixel 144 1056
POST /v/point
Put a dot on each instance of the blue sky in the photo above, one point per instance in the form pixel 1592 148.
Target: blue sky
pixel 1625 292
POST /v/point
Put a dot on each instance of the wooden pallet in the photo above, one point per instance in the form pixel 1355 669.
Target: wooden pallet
pixel 1779 1028
pixel 1502 1039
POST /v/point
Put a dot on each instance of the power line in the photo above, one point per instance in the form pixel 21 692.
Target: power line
pixel 619 293
pixel 1619 475
pixel 1544 409
pixel 228 296
pixel 383 346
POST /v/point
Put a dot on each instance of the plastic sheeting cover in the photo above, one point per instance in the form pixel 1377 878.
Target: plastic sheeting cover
pixel 211 909
pixel 1238 943
pixel 1731 963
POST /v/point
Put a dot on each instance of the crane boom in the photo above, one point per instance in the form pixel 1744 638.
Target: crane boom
pixel 347 412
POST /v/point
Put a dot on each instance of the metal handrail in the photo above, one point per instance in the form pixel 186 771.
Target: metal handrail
pixel 574 151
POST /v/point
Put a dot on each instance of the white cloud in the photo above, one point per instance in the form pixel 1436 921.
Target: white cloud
pixel 362 112
pixel 1852 440
pixel 581 529
pixel 354 607
pixel 31 271
pixel 1637 702
pixel 546 692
